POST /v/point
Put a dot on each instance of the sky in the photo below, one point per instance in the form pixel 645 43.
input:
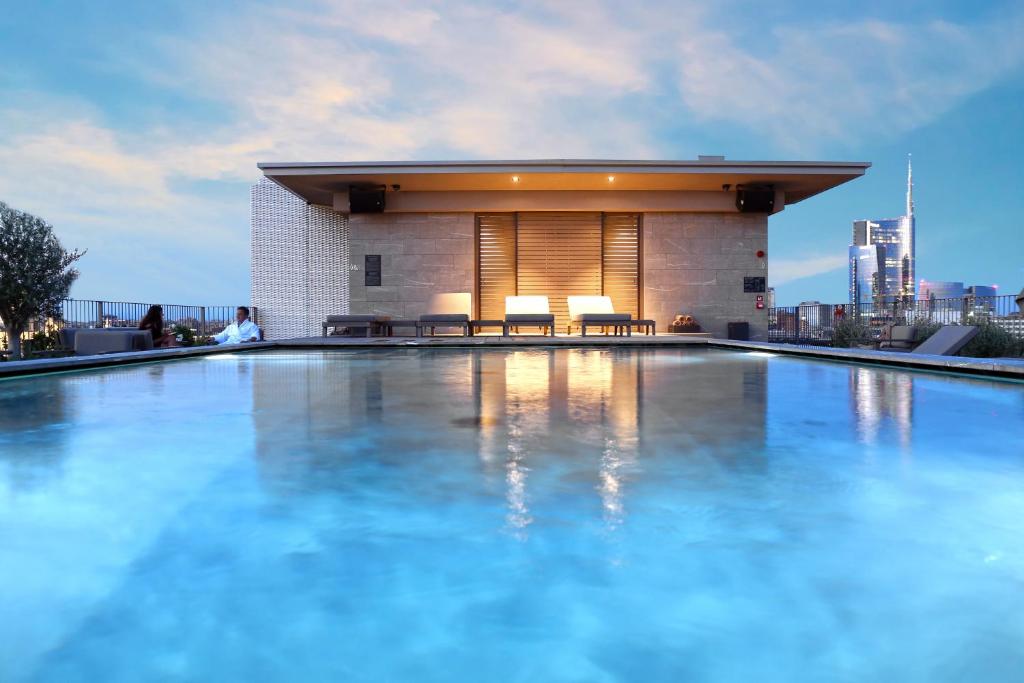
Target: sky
pixel 135 128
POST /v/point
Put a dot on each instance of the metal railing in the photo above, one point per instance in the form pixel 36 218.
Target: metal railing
pixel 82 313
pixel 814 323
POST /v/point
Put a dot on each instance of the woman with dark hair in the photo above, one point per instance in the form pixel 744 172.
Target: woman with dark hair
pixel 153 322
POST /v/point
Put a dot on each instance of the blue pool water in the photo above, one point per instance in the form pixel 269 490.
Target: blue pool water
pixel 511 515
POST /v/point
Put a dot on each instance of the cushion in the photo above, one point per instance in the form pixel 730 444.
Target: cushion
pixel 602 317
pixel 579 305
pixel 900 337
pixel 445 317
pixel 526 304
pixel 448 303
pixel 529 318
pixel 345 319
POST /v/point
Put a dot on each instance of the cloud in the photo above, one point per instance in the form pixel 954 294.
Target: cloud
pixel 358 80
pixel 782 271
pixel 818 84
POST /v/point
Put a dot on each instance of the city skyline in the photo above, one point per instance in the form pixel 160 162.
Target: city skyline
pixel 882 256
pixel 142 151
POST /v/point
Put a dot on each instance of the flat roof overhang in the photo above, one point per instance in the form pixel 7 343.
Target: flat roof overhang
pixel 317 182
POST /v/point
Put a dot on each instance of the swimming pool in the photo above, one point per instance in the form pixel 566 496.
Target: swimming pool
pixel 510 515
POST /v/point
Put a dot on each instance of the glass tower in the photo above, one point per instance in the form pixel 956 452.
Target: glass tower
pixel 894 240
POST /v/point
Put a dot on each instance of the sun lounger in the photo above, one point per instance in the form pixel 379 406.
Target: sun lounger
pixel 367 324
pixel 948 341
pixel 597 311
pixel 900 338
pixel 451 309
pixel 528 311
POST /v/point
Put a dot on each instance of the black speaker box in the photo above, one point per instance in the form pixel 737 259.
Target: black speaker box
pixel 756 200
pixel 365 200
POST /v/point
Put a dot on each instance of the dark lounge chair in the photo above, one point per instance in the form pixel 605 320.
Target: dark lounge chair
pixel 366 323
pixel 948 341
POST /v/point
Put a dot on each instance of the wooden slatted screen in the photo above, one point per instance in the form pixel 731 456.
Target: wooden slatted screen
pixel 621 261
pixel 496 263
pixel 559 254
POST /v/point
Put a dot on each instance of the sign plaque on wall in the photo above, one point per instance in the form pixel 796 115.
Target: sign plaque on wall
pixel 372 270
pixel 752 285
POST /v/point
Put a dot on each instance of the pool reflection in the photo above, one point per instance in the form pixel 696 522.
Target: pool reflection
pixel 538 423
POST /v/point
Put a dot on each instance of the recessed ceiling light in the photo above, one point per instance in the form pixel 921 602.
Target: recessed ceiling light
pixel 611 179
pixel 515 179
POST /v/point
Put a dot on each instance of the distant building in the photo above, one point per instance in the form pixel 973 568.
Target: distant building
pixel 939 289
pixel 894 238
pixel 867 264
pixel 982 290
pixel 771 297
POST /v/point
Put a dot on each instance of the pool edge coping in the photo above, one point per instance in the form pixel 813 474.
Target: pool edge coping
pixel 46 366
pixel 911 361
pixel 983 367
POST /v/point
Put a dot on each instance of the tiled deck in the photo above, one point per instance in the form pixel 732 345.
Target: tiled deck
pixel 498 340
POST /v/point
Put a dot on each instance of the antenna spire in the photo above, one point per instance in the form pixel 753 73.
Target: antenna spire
pixel 910 187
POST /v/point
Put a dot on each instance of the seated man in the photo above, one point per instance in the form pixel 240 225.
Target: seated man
pixel 241 331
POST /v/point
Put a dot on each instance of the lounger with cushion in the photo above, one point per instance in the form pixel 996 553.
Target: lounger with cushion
pixel 948 341
pixel 597 311
pixel 900 338
pixel 366 323
pixel 528 311
pixel 451 309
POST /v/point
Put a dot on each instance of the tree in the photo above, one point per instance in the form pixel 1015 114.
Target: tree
pixel 35 272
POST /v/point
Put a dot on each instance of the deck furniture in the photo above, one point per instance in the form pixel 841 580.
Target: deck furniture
pixel 590 311
pixel 900 338
pixel 528 311
pixel 646 325
pixel 948 340
pixel 366 323
pixel 388 327
pixel 450 309
pixel 91 342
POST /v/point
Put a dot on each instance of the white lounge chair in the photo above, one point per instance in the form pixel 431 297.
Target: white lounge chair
pixel 450 309
pixel 597 311
pixel 528 311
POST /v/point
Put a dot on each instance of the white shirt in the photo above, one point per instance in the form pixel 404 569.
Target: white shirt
pixel 236 334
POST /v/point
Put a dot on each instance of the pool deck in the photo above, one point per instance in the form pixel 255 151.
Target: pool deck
pixel 991 367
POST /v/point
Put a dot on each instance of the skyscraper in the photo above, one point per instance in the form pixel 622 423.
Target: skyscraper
pixel 885 274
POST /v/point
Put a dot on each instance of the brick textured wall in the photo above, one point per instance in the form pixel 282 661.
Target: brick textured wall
pixel 695 263
pixel 421 254
pixel 299 264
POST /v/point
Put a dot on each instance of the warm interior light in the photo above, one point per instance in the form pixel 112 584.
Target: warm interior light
pixel 515 179
pixel 611 179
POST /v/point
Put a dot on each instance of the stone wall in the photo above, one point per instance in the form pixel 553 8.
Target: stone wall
pixel 421 254
pixel 695 263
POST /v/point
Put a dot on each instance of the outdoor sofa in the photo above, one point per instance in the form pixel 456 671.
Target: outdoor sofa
pixel 91 342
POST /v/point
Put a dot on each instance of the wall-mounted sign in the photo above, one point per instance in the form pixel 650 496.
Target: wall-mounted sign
pixel 372 270
pixel 752 285
pixel 760 302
